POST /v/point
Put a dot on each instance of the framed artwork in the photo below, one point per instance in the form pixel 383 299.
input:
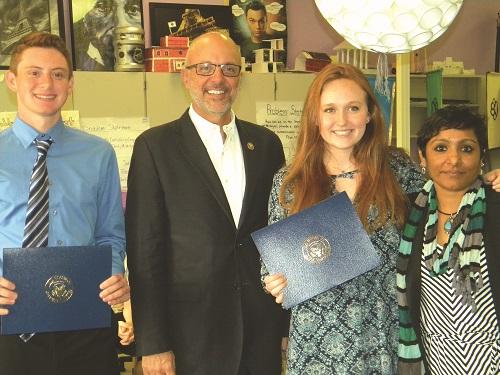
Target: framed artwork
pixel 92 30
pixel 255 21
pixel 21 17
pixel 191 20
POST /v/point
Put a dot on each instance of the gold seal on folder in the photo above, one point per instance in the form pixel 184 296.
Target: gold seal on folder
pixel 59 289
pixel 316 249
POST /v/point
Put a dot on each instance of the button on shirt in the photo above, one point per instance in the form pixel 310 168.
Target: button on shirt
pixel 84 189
pixel 227 158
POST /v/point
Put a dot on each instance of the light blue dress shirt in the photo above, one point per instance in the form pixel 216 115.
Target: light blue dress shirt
pixel 84 189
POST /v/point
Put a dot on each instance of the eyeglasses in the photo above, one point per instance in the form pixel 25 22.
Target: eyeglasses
pixel 207 69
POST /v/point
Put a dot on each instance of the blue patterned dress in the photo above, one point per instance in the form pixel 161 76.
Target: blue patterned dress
pixel 351 329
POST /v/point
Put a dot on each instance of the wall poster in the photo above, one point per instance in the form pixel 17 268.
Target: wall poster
pixel 189 20
pixel 255 21
pixel 283 118
pixel 21 17
pixel 92 26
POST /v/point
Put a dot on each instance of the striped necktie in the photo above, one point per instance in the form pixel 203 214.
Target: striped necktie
pixel 36 228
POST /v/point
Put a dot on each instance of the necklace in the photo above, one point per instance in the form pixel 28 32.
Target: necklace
pixel 348 175
pixel 344 170
pixel 449 222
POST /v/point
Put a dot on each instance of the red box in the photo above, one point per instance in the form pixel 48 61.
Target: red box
pixel 174 41
pixel 164 64
pixel 157 52
pixel 315 65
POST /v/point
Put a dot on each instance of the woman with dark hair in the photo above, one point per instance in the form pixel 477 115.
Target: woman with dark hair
pixel 350 329
pixel 448 280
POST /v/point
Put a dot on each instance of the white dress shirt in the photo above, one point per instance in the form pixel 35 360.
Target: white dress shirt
pixel 227 158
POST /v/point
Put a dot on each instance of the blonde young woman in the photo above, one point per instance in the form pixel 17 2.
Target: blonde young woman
pixel 351 329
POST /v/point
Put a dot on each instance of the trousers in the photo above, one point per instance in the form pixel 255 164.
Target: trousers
pixel 85 352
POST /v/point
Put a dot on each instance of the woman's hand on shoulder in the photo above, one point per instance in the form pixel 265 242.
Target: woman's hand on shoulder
pixel 493 178
pixel 275 284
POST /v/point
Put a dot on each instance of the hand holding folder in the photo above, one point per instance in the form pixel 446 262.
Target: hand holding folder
pixel 57 288
pixel 317 249
pixel 7 295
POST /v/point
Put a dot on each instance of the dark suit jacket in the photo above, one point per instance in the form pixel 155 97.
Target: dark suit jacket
pixel 195 276
pixel 492 245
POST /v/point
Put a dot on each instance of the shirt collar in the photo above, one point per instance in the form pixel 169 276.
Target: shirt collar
pixel 26 134
pixel 207 126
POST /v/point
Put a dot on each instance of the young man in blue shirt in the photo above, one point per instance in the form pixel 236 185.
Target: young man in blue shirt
pixel 84 205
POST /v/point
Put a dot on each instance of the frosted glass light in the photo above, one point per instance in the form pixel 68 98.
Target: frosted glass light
pixel 389 26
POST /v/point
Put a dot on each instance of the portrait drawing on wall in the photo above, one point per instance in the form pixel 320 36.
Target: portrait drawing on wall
pixel 255 21
pixel 93 25
pixel 21 17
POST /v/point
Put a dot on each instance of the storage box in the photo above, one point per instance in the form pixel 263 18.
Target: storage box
pixel 311 61
pixel 174 41
pixel 158 52
pixel 164 64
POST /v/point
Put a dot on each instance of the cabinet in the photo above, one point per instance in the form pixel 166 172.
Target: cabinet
pixel 467 90
pixel 161 96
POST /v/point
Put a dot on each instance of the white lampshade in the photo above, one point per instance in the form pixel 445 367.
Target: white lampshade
pixel 389 26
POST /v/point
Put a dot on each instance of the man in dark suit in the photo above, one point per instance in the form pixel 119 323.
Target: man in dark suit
pixel 197 188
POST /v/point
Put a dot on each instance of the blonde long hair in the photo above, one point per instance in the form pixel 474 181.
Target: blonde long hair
pixel 307 177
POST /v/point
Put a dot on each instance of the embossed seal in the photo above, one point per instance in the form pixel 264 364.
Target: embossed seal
pixel 59 289
pixel 316 249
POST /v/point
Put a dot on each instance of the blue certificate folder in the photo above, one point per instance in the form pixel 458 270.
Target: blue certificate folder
pixel 317 249
pixel 58 288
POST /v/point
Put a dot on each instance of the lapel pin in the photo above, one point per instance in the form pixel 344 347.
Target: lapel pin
pixel 250 146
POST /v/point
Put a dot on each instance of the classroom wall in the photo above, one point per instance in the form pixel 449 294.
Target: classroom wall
pixel 471 37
